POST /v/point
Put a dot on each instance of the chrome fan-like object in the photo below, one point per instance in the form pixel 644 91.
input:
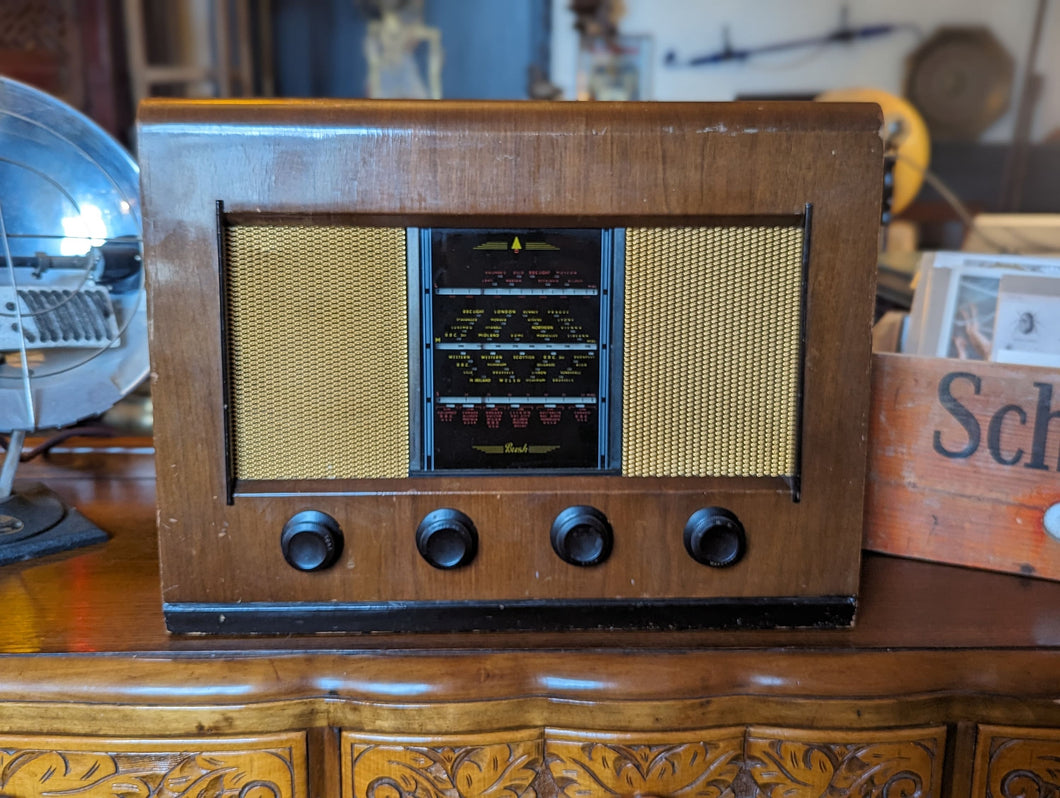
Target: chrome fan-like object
pixel 73 330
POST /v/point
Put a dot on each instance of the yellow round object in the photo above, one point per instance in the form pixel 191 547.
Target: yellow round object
pixel 904 129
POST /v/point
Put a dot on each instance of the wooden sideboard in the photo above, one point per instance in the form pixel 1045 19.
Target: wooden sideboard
pixel 948 685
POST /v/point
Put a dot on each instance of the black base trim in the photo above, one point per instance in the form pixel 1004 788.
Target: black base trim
pixel 526 615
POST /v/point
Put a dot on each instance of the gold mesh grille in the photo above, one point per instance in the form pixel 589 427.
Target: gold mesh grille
pixel 318 354
pixel 711 363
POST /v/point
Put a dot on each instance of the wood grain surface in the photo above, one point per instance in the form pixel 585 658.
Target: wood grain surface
pixel 107 598
pixel 468 164
pixel 704 763
pixel 948 670
pixel 1018 761
pixel 270 766
pixel 712 763
pixel 489 765
pixel 794 763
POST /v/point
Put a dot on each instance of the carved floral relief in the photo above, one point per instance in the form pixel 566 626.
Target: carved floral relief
pixel 704 768
pixel 36 773
pixel 785 768
pixel 413 771
pixel 1018 763
pixel 713 763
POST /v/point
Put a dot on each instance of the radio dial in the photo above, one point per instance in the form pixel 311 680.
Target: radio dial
pixel 311 541
pixel 715 537
pixel 582 536
pixel 447 539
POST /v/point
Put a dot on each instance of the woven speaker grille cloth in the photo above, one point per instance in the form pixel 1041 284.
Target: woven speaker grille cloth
pixel 711 364
pixel 318 354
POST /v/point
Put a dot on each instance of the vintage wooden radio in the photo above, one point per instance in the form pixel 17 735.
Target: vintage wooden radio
pixel 451 365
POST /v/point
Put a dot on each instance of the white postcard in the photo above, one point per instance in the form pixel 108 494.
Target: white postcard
pixel 1027 324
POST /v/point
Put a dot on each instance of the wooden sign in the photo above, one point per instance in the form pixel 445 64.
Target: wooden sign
pixel 964 464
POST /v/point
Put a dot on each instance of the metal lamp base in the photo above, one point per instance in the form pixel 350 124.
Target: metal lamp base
pixel 34 521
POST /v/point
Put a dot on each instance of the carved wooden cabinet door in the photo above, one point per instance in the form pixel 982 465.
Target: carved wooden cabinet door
pixel 725 762
pixel 749 763
pixel 266 766
pixel 441 766
pixel 1013 761
pixel 700 763
pixel 797 763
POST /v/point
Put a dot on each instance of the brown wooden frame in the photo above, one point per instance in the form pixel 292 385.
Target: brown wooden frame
pixel 468 164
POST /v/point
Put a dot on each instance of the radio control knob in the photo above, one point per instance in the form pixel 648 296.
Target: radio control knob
pixel 582 536
pixel 311 541
pixel 715 537
pixel 447 539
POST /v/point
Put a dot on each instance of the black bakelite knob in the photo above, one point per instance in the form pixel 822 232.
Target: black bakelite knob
pixel 311 541
pixel 582 536
pixel 715 537
pixel 447 539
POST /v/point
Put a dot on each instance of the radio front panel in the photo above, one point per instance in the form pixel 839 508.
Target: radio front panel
pixel 516 346
pixel 515 343
pixel 392 398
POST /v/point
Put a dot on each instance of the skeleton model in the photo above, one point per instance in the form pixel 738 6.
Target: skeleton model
pixel 404 55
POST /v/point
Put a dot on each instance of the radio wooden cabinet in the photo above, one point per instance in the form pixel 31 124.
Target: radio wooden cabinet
pixel 947 685
pixel 498 366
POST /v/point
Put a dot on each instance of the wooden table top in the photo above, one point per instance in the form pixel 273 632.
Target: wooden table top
pixel 106 598
pixel 83 647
